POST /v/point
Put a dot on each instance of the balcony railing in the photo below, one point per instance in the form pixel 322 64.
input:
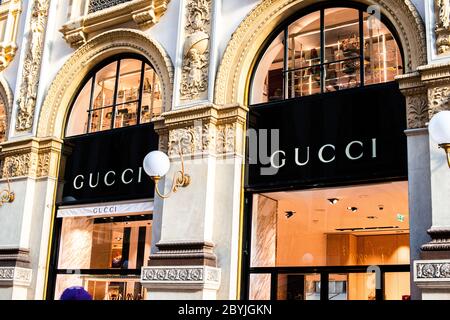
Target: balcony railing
pixel 97 5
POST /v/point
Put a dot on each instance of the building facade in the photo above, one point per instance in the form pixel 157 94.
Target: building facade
pixel 302 125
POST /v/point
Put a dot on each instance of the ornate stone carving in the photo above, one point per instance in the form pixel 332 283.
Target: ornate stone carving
pixel 10 14
pixel 16 165
pixel 226 136
pixel 417 110
pixel 230 84
pixel 181 277
pixel 442 28
pixel 432 270
pixel 439 99
pixel 32 65
pixel 104 15
pixel 192 140
pixel 43 165
pixel 194 80
pixel 15 275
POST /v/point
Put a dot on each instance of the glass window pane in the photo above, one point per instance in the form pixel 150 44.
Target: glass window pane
pixel 304 82
pixel 268 80
pixel 78 120
pixel 342 75
pixel 397 286
pixel 352 286
pixel 105 243
pixel 298 287
pixel 304 41
pixel 341 33
pixel 126 115
pixel 104 86
pixel 104 287
pixel 151 96
pixel 129 80
pixel 382 58
pixel 101 119
pixel 259 287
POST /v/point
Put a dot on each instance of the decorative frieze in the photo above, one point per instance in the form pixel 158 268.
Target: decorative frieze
pixel 194 79
pixel 33 158
pixel 31 67
pixel 181 277
pixel 438 99
pixel 437 270
pixel 15 276
pixel 442 27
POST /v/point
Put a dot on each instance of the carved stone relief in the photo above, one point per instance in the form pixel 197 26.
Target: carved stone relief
pixel 194 82
pixel 442 28
pixel 438 100
pixel 417 110
pixel 32 65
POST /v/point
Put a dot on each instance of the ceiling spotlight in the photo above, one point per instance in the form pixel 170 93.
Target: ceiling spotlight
pixel 372 217
pixel 352 209
pixel 289 214
pixel 333 200
pixel 380 207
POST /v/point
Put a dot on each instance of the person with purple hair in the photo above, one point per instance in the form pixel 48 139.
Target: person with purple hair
pixel 75 293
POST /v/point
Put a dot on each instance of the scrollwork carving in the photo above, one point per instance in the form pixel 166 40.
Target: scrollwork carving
pixel 438 100
pixel 32 65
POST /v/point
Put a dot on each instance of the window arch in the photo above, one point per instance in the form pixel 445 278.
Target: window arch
pixel 323 51
pixel 122 91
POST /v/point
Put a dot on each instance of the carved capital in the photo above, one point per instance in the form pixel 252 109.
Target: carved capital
pixel 438 99
pixel 440 240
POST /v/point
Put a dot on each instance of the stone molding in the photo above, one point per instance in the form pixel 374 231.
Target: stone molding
pixel 15 276
pixel 432 273
pixel 194 76
pixel 10 11
pixel 184 253
pixel 232 77
pixel 57 101
pixel 14 257
pixel 34 158
pixel 26 102
pixel 440 240
pixel 181 277
pixel 145 13
pixel 209 129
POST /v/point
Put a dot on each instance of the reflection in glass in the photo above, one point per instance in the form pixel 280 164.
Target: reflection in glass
pixel 105 243
pixel 352 286
pixel 298 287
pixel 119 98
pixel 105 287
pixel 314 67
pixel 259 287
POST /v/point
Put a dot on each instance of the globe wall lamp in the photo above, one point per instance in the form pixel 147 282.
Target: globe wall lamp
pixel 439 129
pixel 157 164
pixel 6 195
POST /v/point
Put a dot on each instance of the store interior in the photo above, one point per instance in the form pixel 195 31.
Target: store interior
pixel 365 225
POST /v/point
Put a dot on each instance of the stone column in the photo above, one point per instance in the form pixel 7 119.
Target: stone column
pixel 198 249
pixel 31 167
pixel 418 167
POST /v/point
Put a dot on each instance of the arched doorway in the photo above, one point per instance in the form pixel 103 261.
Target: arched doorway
pixel 327 167
pixel 102 104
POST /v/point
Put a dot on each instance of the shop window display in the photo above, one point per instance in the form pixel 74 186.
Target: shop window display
pixel 328 50
pixel 123 93
pixel 107 253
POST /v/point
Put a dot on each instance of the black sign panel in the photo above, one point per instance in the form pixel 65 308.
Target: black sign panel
pixel 336 138
pixel 108 166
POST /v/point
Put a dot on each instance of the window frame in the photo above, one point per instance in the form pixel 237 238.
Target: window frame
pixel 283 28
pixel 91 75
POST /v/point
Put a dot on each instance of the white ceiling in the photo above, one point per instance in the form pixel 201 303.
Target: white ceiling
pixel 313 208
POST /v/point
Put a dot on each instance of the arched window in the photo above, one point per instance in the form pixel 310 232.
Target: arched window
pixel 121 92
pixel 324 51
